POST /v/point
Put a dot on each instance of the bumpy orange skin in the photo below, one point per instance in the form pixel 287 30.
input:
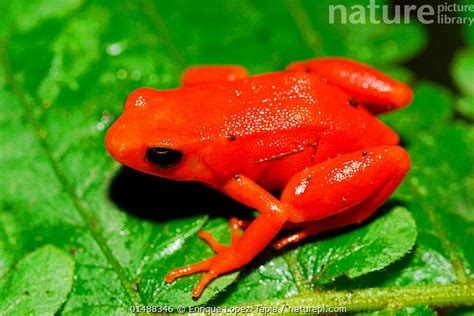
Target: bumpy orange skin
pixel 309 133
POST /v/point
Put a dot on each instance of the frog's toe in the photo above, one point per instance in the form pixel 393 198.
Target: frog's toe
pixel 215 266
pixel 189 269
pixel 293 238
pixel 215 245
pixel 235 225
pixel 208 277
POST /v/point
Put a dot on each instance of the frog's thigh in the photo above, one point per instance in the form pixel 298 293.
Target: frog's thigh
pixel 197 75
pixel 343 191
pixel 359 182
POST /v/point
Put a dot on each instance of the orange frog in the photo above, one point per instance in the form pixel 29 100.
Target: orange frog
pixel 308 132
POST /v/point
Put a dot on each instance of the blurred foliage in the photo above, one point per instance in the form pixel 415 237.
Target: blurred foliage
pixel 67 66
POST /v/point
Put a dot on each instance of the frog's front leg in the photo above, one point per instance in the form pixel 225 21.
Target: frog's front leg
pixel 344 190
pixel 196 75
pixel 273 214
pixel 377 91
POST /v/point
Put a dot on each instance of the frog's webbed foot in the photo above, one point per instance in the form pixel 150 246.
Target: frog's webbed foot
pixel 294 238
pixel 235 225
pixel 214 265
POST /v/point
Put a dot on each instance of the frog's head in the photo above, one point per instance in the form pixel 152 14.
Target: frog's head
pixel 154 135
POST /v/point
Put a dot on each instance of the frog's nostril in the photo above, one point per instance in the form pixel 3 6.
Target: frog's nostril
pixel 163 157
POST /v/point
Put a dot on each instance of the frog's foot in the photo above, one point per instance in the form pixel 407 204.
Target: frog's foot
pixel 235 225
pixel 358 214
pixel 224 260
pixel 294 238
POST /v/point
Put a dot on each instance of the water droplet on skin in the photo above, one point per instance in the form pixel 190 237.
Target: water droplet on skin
pixel 140 101
pixel 114 49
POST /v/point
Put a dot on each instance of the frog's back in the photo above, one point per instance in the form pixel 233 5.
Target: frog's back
pixel 270 126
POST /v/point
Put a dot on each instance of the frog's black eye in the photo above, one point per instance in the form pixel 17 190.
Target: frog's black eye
pixel 163 157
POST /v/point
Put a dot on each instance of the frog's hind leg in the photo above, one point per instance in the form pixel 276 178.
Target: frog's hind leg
pixel 197 75
pixel 351 216
pixel 344 190
pixel 376 91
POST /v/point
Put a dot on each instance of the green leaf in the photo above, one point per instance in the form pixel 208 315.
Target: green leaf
pixel 437 190
pixel 360 251
pixel 415 310
pixel 364 250
pixel 152 282
pixel 431 110
pixel 422 266
pixel 463 69
pixel 467 27
pixel 446 224
pixel 66 68
pixel 465 106
pixel 39 284
pixel 26 15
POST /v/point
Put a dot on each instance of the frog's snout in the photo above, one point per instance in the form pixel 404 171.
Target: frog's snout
pixel 119 142
pixel 112 142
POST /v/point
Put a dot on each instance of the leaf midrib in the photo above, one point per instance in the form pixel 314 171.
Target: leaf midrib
pixel 89 219
pixel 381 298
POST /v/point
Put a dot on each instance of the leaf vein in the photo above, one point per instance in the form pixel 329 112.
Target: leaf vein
pixel 88 218
pixel 441 235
